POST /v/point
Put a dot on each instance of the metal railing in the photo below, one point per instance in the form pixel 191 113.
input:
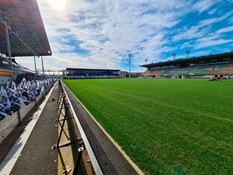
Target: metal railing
pixel 65 113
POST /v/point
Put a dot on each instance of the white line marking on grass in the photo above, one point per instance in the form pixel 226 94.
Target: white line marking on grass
pixel 11 158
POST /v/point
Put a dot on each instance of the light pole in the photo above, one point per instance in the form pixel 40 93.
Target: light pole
pixel 187 52
pixel 174 56
pixel 130 55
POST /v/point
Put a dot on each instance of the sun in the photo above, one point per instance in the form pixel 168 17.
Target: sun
pixel 58 4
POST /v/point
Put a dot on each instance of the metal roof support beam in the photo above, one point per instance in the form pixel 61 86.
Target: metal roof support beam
pixel 4 19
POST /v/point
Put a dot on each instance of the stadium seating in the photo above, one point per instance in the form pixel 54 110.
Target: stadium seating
pixel 199 71
pixel 181 71
pixel 196 70
pixel 25 91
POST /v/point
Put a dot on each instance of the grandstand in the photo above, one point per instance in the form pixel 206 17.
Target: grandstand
pixel 36 106
pixel 209 65
pixel 22 33
pixel 73 73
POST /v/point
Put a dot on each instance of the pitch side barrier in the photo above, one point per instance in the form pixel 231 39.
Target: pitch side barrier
pixel 65 113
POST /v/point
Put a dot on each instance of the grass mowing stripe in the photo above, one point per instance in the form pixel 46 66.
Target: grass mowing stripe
pixel 176 126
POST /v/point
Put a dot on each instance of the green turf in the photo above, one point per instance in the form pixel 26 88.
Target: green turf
pixel 166 126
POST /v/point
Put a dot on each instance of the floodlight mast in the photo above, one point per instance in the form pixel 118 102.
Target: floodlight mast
pixel 187 52
pixel 174 56
pixel 130 55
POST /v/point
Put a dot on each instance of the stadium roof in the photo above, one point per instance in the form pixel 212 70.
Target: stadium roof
pixel 24 19
pixel 87 69
pixel 195 60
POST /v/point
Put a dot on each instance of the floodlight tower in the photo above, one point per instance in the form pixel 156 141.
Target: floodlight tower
pixel 130 55
pixel 187 52
pixel 174 56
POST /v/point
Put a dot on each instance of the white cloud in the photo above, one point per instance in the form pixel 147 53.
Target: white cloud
pixel 225 30
pixel 191 33
pixel 215 20
pixel 211 41
pixel 213 11
pixel 203 5
pixel 200 30
pixel 108 30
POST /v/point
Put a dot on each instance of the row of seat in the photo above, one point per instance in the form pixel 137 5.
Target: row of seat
pixel 13 96
pixel 201 71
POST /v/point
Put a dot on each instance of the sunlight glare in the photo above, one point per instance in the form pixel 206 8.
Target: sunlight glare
pixel 58 4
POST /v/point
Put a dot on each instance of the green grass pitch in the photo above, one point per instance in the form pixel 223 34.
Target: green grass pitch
pixel 166 126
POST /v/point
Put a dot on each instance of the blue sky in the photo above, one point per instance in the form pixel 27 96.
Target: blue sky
pixel 101 33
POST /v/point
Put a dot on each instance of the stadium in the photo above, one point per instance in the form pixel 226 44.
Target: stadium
pixel 76 97
pixel 77 73
pixel 218 64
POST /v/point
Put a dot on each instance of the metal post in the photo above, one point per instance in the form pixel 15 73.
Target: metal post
pixel 8 45
pixel 63 122
pixel 8 48
pixel 187 52
pixel 42 63
pixel 18 116
pixel 35 65
pixel 130 65
pixel 79 156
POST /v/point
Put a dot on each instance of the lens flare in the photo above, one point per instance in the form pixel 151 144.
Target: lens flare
pixel 58 4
